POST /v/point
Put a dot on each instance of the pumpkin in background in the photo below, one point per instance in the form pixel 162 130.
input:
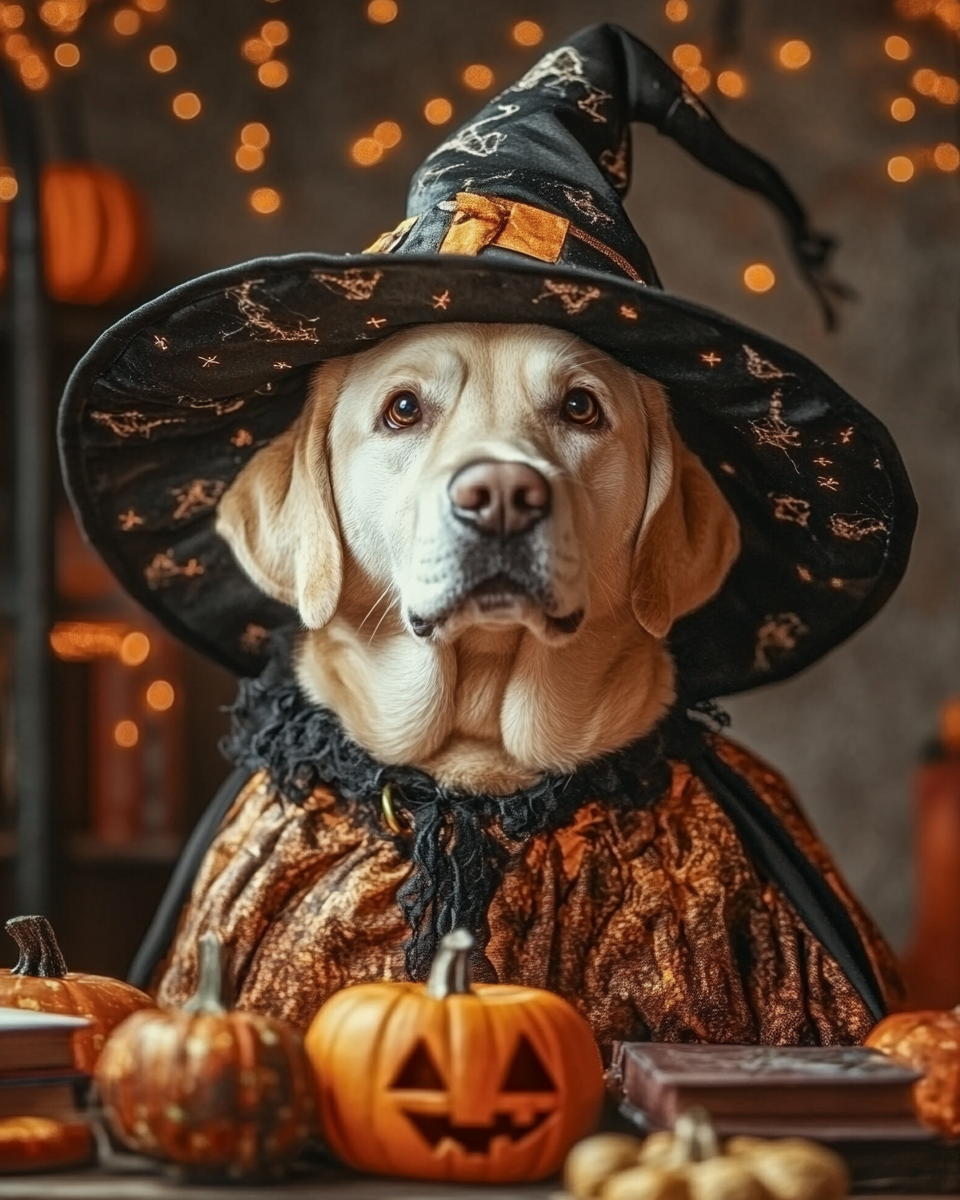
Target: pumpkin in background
pixel 212 1090
pixel 94 233
pixel 445 1081
pixel 40 981
pixel 689 1164
pixel 928 1041
pixel 41 1144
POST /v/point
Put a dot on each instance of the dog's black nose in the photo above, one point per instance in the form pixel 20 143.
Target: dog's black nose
pixel 499 498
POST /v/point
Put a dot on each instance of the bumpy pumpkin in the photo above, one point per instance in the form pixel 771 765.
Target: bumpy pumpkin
pixel 449 1081
pixel 40 1144
pixel 928 1041
pixel 41 981
pixel 689 1164
pixel 215 1091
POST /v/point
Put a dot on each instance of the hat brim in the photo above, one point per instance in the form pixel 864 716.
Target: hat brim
pixel 162 413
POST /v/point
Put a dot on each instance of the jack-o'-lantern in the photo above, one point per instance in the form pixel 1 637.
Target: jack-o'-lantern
pixel 928 1042
pixel 40 981
pixel 448 1081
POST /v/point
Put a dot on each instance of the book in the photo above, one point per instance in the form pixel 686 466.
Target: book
pixel 826 1092
pixel 36 1041
pixel 53 1094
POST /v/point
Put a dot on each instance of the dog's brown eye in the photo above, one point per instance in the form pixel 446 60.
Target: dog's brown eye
pixel 580 407
pixel 403 411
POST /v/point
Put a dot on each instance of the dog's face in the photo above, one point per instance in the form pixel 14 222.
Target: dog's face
pixel 483 475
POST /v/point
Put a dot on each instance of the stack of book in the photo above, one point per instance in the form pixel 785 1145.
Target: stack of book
pixel 38 1081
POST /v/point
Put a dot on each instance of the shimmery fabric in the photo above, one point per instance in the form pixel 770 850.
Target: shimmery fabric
pixel 653 922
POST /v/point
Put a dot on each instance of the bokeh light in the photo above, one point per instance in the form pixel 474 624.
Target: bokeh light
pixel 903 109
pixel 127 21
pixel 478 77
pixel 758 277
pixel 794 54
pixel 134 649
pixel 8 187
pixel 946 156
pixel 12 16
pixel 186 105
pixel 163 59
pixel 732 84
pixel 275 33
pixel 66 54
pixel 388 134
pixel 527 33
pixel 151 6
pixel 366 151
pixel 947 90
pixel 686 57
pixel 248 158
pixel 677 10
pixel 381 12
pixel 256 50
pixel 273 74
pixel 438 111
pixel 897 47
pixel 697 79
pixel 900 168
pixel 255 134
pixel 126 734
pixel 160 695
pixel 925 81
pixel 265 200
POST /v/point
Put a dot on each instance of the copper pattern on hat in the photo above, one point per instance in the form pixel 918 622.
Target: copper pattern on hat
pixel 196 496
pixel 132 423
pixel 778 634
pixel 355 283
pixel 855 528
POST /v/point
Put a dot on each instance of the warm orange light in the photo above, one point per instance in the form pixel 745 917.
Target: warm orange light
pixel 12 16
pixel 66 55
pixel 946 156
pixel 388 134
pixel 897 47
pixel 248 158
pixel 900 168
pixel 794 54
pixel 81 641
pixel 256 50
pixel 151 6
pixel 8 187
pixel 903 109
pixel 265 200
pixel 127 21
pixel 438 111
pixel 160 695
pixel 697 79
pixel 677 10
pixel 33 73
pixel 925 81
pixel 950 725
pixel 273 74
pixel 527 33
pixel 478 77
pixel 947 90
pixel 686 57
pixel 134 649
pixel 949 13
pixel 366 151
pixel 275 33
pixel 381 12
pixel 186 105
pixel 17 45
pixel 51 12
pixel 732 84
pixel 758 277
pixel 163 59
pixel 255 134
pixel 126 734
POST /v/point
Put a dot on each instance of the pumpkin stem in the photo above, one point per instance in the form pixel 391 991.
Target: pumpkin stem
pixel 209 996
pixel 450 973
pixel 39 953
pixel 696 1139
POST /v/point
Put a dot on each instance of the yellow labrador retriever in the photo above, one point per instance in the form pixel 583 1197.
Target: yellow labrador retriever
pixel 488 530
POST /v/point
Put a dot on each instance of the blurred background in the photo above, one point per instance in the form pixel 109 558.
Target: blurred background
pixel 178 137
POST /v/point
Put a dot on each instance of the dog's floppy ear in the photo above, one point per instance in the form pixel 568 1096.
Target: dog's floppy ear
pixel 689 536
pixel 278 515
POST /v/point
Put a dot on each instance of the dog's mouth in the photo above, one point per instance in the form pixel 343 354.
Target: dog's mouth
pixel 498 594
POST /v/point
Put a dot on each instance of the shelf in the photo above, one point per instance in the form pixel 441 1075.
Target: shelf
pixel 157 848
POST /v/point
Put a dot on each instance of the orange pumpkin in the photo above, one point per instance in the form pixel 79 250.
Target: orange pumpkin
pixel 928 1041
pixel 216 1091
pixel 94 233
pixel 447 1081
pixel 41 981
pixel 41 1144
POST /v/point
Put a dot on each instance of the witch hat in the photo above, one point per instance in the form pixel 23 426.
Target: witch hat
pixel 515 218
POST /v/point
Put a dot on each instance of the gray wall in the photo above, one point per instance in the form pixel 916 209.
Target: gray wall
pixel 847 732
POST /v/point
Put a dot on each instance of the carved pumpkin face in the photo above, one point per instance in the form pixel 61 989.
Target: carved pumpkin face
pixel 492 1084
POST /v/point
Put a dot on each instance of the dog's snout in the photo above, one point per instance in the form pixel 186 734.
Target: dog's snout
pixel 499 498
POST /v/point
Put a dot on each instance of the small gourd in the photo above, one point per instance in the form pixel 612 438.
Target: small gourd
pixel 41 982
pixel 216 1091
pixel 689 1164
pixel 928 1041
pixel 474 1083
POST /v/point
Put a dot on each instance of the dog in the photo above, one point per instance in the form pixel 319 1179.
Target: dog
pixel 498 524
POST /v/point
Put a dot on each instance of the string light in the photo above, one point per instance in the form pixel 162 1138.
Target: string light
pixel 127 21
pixel 255 135
pixel 897 47
pixel 947 90
pixel 366 151
pixel 273 74
pixel 134 649
pixel 17 45
pixel 186 105
pixel 256 50
pixel 248 158
pixel 732 84
pixel 677 10
pixel 925 81
pixel 66 55
pixel 758 277
pixel 478 77
pixel 900 168
pixel 33 73
pixel 794 54
pixel 438 111
pixel 381 12
pixel 163 59
pixel 697 79
pixel 275 33
pixel 126 734
pixel 686 57
pixel 388 134
pixel 946 156
pixel 527 33
pixel 12 16
pixel 265 200
pixel 8 187
pixel 160 695
pixel 81 641
pixel 903 109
